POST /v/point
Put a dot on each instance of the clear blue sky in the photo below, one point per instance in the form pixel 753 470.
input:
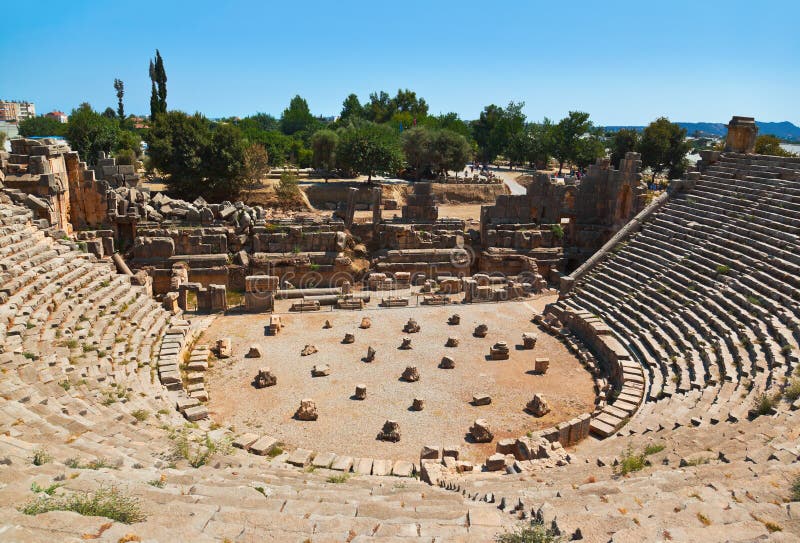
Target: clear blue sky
pixel 625 62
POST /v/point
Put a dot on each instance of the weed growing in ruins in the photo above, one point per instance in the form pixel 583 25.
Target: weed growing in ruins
pixel 106 502
pixel 338 479
pixel 197 450
pixel 653 449
pixel 50 490
pixel 65 384
pixel 158 483
pixel 630 462
pixel 41 456
pixel 704 519
pixel 29 356
pixel 277 450
pixel 557 231
pixel 141 415
pixel 753 300
pixel 723 269
pixel 792 390
pixel 535 532
pixel 795 490
pixel 765 404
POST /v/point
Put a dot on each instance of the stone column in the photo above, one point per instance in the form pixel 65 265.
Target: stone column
pixel 350 212
pixel 742 132
pixel 377 194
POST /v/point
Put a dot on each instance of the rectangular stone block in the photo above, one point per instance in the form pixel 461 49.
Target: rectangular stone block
pixel 263 445
pixel 300 457
pixel 381 467
pixel 195 413
pixel 323 460
pixel 245 440
pixel 342 463
pixel 363 466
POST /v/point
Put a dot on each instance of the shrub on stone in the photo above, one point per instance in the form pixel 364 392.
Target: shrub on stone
pixel 535 532
pixel 107 502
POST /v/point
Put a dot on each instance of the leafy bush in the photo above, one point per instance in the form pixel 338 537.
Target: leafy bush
pixel 337 479
pixel 41 456
pixel 535 532
pixel 106 502
pixel 792 390
pixel 630 462
pixel 653 449
pixel 287 190
pixel 197 451
pixel 765 403
pixel 141 415
pixel 558 231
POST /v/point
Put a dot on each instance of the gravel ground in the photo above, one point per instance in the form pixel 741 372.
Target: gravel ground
pixel 348 426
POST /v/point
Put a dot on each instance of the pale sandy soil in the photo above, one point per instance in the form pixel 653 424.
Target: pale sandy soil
pixel 347 426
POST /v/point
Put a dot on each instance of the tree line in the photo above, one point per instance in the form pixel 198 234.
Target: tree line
pixel 394 135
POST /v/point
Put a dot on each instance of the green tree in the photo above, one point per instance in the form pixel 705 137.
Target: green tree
pixel 196 157
pixel 379 109
pixel 90 133
pixel 416 144
pixel 119 87
pixel 323 145
pixel 590 147
pixel 623 141
pixel 539 143
pixel 158 86
pixel 768 144
pixel 109 113
pixel 566 138
pixel 42 126
pixel 450 121
pixel 368 148
pixel 351 109
pixel 127 139
pixel 450 152
pixel 256 167
pixel 664 147
pixel 496 128
pixel 297 117
pixel 408 102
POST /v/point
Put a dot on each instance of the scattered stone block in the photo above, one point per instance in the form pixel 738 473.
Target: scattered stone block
pixel 480 431
pixel 410 374
pixel 451 342
pixel 463 466
pixel 254 351
pixel 370 355
pixel 538 406
pixel 481 330
pixel 529 340
pixel 447 363
pixel 361 392
pixel 327 324
pixel 454 319
pixel 224 347
pixel 411 327
pixel 321 370
pixel 390 431
pixel 540 365
pixel 308 350
pixel 418 404
pixel 365 323
pixel 349 338
pixel 499 351
pixel 406 343
pixel 265 378
pixel 307 410
pixel 481 399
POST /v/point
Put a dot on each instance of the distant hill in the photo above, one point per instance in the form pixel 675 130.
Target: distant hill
pixel 784 130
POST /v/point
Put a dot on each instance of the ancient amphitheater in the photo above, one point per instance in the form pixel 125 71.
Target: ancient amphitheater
pixel 645 396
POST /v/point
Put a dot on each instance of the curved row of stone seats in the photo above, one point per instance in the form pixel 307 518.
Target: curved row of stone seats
pixel 79 382
pixel 707 291
pixel 726 482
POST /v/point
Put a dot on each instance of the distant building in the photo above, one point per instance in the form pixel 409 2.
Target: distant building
pixel 60 116
pixel 13 111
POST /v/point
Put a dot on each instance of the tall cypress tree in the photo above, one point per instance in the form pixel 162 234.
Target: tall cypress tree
pixel 161 82
pixel 154 109
pixel 119 86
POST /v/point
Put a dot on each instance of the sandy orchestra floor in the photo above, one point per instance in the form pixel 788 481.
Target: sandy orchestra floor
pixel 348 426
